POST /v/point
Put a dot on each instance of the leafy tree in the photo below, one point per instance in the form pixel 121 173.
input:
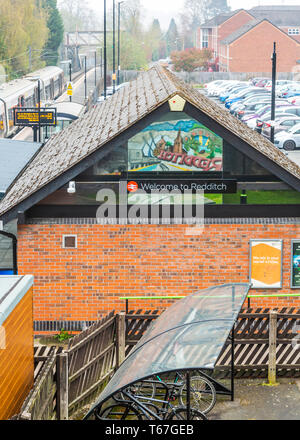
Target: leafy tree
pixel 155 45
pixel 172 38
pixel 22 25
pixel 77 16
pixel 190 59
pixel 132 17
pixel 196 12
pixel 56 32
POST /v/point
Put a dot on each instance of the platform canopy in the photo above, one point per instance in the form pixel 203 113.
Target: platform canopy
pixel 189 335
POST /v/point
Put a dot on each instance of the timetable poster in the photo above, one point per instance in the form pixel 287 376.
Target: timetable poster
pixel 266 264
pixel 295 272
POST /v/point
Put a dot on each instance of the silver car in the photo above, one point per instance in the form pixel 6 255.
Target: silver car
pixel 280 124
pixel 288 140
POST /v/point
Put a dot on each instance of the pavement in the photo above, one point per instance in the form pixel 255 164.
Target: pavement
pixel 256 400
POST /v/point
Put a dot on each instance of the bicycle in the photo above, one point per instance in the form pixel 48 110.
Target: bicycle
pixel 152 408
pixel 203 393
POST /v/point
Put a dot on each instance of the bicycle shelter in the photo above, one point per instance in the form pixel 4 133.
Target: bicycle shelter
pixel 188 336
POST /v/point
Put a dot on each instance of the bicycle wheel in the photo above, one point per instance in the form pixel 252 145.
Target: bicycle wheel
pixel 120 411
pixel 145 389
pixel 181 414
pixel 203 394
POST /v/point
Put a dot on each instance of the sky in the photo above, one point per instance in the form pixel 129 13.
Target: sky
pixel 164 10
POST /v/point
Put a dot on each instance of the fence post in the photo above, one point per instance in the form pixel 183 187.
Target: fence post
pixel 62 398
pixel 120 338
pixel 272 347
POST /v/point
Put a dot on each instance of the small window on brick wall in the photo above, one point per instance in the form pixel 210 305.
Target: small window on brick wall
pixel 69 242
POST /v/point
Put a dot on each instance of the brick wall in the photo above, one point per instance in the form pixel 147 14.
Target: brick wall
pixel 232 24
pixel 252 52
pixel 113 261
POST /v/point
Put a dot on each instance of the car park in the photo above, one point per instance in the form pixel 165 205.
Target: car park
pixel 262 82
pixel 279 106
pixel 280 124
pixel 293 90
pixel 266 114
pixel 278 83
pixel 288 140
pixel 251 100
pixel 267 117
pixel 294 100
pixel 241 96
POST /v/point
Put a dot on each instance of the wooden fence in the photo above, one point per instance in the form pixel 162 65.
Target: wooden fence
pixel 71 379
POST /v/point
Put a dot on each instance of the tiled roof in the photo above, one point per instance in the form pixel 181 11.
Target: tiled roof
pixel 109 119
pixel 17 154
pixel 241 31
pixel 280 15
pixel 219 19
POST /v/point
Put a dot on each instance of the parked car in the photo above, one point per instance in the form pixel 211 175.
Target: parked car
pixel 251 108
pixel 232 91
pixel 264 110
pixel 244 94
pixel 280 124
pixel 219 88
pixel 291 90
pixel 267 117
pixel 288 140
pixel 262 82
pixel 265 114
pixel 255 81
pixel 294 100
pixel 278 83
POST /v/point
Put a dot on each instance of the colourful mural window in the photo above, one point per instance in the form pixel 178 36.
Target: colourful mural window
pixel 182 144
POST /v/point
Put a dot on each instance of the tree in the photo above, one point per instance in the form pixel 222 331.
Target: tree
pixel 195 13
pixel 190 59
pixel 132 17
pixel 77 16
pixel 22 26
pixel 172 38
pixel 56 32
pixel 155 45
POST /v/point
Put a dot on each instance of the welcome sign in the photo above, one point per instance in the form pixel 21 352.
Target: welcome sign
pixel 179 145
pixel 208 186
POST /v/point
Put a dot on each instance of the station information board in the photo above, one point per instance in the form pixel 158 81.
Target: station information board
pixel 31 116
pixel 266 264
pixel 295 264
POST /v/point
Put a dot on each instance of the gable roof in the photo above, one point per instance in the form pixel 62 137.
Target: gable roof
pixel 280 15
pixel 92 132
pixel 17 154
pixel 221 18
pixel 247 27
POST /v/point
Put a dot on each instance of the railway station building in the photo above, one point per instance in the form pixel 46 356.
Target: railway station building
pixel 158 191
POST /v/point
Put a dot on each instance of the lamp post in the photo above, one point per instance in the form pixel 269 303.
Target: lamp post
pixel 36 78
pixel 95 68
pixel 70 72
pixel 114 47
pixel 119 40
pixel 85 81
pixel 104 50
pixel 274 59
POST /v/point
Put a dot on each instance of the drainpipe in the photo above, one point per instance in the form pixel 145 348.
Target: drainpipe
pixel 15 242
pixel 5 113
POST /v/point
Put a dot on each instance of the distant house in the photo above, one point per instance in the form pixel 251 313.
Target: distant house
pixel 224 28
pixel 249 49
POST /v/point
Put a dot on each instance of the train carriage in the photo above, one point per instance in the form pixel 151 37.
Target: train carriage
pixel 23 92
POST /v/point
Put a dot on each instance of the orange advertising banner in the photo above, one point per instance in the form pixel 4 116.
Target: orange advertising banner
pixel 266 264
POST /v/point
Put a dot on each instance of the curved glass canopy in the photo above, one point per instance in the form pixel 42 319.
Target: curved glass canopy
pixel 188 335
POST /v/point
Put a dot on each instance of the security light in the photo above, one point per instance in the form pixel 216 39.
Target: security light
pixel 72 188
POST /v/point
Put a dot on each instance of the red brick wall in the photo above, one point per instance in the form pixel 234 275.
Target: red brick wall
pixel 113 261
pixel 252 52
pixel 232 24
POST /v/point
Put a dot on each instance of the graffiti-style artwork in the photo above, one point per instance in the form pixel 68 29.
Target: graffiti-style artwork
pixel 181 145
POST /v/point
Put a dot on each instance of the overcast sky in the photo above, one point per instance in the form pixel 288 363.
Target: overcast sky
pixel 164 10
